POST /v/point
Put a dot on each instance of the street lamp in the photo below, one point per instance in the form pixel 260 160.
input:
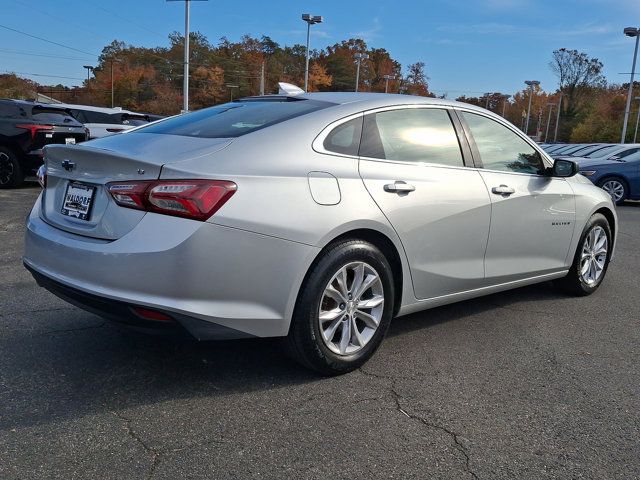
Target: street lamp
pixel 555 135
pixel 504 103
pixel 311 20
pixel 486 105
pixel 89 70
pixel 630 32
pixel 113 60
pixel 635 134
pixel 185 79
pixel 386 82
pixel 546 133
pixel 359 57
pixel 530 84
pixel 231 87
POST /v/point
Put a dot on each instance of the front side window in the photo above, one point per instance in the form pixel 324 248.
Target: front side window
pixel 424 135
pixel 236 118
pixel 502 149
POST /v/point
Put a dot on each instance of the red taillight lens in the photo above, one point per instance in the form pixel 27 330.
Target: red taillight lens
pixel 34 129
pixel 195 199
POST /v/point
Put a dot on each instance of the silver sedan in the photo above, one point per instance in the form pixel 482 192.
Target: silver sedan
pixel 313 217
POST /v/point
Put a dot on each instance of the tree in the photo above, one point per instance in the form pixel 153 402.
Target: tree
pixel 415 82
pixel 318 77
pixel 577 74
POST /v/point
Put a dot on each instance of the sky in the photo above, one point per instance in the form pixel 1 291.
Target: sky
pixel 469 46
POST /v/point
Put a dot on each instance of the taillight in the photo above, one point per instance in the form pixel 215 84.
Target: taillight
pixel 195 199
pixel 34 128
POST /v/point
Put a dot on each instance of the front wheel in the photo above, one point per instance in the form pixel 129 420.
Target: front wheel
pixel 343 310
pixel 591 260
pixel 616 187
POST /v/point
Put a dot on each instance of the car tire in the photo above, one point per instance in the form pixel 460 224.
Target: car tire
pixel 10 171
pixel 330 291
pixel 587 259
pixel 616 187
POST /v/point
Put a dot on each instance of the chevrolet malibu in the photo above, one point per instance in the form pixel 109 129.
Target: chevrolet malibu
pixel 314 217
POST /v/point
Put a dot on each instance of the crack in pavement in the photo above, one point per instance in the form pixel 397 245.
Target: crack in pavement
pixel 155 454
pixel 397 400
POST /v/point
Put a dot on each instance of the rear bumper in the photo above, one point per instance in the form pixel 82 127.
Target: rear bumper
pixel 123 313
pixel 215 281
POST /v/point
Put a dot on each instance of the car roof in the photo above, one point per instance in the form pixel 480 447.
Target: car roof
pixel 91 108
pixel 373 100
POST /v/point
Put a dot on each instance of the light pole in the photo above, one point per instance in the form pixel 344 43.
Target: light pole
pixel 531 84
pixel 311 20
pixel 185 79
pixel 486 105
pixel 231 87
pixel 546 133
pixel 112 60
pixel 635 134
pixel 89 69
pixel 630 32
pixel 359 57
pixel 555 135
pixel 386 82
pixel 504 103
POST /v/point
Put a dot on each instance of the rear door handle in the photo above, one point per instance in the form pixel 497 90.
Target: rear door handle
pixel 503 190
pixel 399 187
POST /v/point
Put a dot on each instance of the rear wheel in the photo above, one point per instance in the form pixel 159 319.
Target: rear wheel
pixel 616 187
pixel 10 171
pixel 591 260
pixel 343 310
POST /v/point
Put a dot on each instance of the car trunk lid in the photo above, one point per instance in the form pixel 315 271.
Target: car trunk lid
pixel 76 198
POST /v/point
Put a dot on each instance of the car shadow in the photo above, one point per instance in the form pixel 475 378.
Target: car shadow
pixel 97 368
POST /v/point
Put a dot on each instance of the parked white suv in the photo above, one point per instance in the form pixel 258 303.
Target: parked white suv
pixel 103 121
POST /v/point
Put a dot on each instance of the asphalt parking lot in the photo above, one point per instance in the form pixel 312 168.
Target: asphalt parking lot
pixel 523 384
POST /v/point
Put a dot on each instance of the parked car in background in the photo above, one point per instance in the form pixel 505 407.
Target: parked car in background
pixel 26 127
pixel 103 121
pixel 617 172
pixel 316 217
pixel 584 150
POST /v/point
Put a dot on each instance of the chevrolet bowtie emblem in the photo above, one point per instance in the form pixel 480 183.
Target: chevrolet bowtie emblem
pixel 67 165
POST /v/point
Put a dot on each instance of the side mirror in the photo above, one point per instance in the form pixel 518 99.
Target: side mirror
pixel 564 168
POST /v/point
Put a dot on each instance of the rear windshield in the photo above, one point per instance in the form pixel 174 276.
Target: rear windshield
pixel 235 118
pixel 52 117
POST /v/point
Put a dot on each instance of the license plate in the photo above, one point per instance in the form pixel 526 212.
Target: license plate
pixel 77 201
pixel 70 141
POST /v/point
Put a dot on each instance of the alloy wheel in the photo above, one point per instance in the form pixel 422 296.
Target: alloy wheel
pixel 351 308
pixel 6 169
pixel 615 188
pixel 594 255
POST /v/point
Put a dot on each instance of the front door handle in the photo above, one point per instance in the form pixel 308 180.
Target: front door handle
pixel 503 190
pixel 399 187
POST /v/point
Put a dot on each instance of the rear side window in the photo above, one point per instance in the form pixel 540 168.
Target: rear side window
pixel 235 119
pixel 502 149
pixel 10 110
pixel 424 135
pixel 88 116
pixel 345 138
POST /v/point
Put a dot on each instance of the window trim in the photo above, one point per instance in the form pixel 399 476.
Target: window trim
pixel 546 160
pixel 465 150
